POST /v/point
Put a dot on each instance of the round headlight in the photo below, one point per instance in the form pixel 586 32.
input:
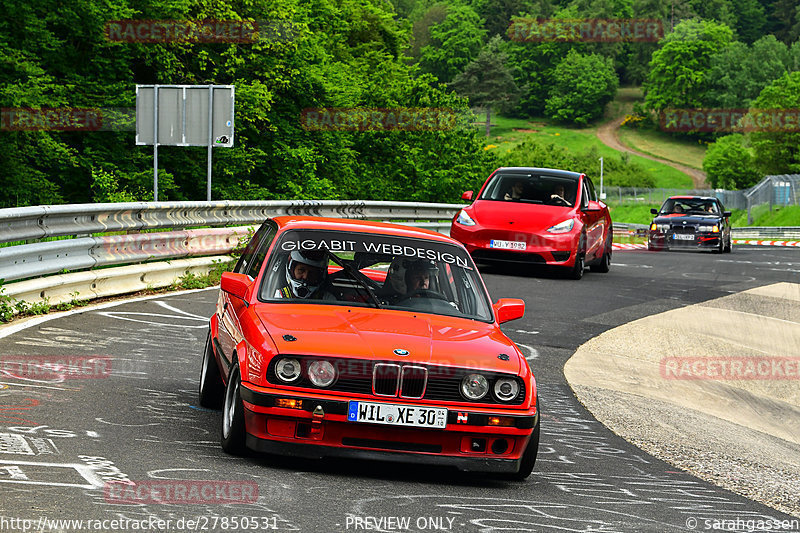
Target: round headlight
pixel 321 373
pixel 506 389
pixel 474 387
pixel 287 370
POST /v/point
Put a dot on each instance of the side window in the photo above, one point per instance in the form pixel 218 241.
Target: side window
pixel 255 251
pixel 592 192
pixel 585 193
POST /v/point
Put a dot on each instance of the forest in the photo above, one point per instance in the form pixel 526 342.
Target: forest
pixel 423 57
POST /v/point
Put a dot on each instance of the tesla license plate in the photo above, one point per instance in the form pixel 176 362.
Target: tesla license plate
pixel 683 237
pixel 397 415
pixel 507 245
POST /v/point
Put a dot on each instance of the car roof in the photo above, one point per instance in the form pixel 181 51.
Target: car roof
pixel 691 198
pixel 550 171
pixel 363 226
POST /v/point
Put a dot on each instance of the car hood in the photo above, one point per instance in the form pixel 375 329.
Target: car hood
pixel 508 215
pixel 333 330
pixel 689 219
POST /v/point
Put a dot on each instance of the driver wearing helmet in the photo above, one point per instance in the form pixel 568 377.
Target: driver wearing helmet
pixel 306 275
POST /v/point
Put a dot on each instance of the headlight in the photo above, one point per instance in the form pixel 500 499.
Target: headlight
pixel 659 228
pixel 562 227
pixel 321 373
pixel 464 219
pixel 707 229
pixel 474 387
pixel 506 389
pixel 287 370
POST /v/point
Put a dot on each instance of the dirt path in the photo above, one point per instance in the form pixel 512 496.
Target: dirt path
pixel 607 133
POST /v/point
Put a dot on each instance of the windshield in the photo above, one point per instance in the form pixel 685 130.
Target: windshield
pixel 697 206
pixel 532 188
pixel 374 270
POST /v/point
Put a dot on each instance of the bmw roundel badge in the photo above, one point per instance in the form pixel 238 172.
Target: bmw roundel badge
pixel 401 352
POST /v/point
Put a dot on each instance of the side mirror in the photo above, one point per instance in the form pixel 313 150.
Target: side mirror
pixel 593 206
pixel 467 195
pixel 654 211
pixel 235 284
pixel 506 309
pixel 727 214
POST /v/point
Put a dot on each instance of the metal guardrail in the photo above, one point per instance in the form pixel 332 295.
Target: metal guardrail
pixel 162 231
pixel 38 222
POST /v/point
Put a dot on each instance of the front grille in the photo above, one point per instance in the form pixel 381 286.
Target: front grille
pixel 413 381
pixel 505 255
pixel 385 379
pixel 683 229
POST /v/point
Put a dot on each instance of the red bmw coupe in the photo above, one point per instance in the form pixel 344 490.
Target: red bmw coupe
pixel 336 338
pixel 537 216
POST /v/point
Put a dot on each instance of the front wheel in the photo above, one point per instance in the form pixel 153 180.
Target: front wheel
pixel 528 457
pixel 576 272
pixel 604 265
pixel 729 246
pixel 211 388
pixel 233 432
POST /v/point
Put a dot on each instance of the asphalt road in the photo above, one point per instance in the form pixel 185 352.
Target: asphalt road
pixel 134 416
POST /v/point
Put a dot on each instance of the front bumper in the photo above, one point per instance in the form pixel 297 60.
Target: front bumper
pixel 708 241
pixel 321 429
pixel 556 249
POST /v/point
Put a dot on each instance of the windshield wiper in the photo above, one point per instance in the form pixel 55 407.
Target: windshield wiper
pixel 357 276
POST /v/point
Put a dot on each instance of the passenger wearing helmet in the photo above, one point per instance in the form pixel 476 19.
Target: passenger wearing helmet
pixel 407 276
pixel 306 275
pixel 418 276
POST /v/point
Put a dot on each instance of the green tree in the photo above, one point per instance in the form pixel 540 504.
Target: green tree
pixel 778 152
pixel 453 43
pixel 729 164
pixel 582 86
pixel 738 73
pixel 487 82
pixel 679 68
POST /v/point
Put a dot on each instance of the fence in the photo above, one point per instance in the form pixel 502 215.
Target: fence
pixel 778 190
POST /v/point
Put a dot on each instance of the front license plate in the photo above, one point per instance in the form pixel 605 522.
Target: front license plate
pixel 507 245
pixel 397 415
pixel 683 237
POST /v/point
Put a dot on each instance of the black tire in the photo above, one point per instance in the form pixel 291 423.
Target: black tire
pixel 604 263
pixel 528 457
pixel 576 271
pixel 232 436
pixel 211 390
pixel 728 247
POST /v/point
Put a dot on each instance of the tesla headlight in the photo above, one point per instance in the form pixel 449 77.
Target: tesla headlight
pixel 506 389
pixel 321 373
pixel 464 219
pixel 287 370
pixel 562 227
pixel 474 387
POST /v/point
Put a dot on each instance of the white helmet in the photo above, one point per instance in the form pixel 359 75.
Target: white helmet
pixel 317 259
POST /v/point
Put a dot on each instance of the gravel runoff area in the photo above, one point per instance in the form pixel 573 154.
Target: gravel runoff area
pixel 711 388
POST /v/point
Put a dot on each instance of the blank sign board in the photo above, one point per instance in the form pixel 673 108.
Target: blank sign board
pixel 183 115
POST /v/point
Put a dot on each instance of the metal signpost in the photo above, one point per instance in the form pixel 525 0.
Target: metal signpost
pixel 184 115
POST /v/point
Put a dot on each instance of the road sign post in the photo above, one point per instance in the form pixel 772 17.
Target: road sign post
pixel 184 115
